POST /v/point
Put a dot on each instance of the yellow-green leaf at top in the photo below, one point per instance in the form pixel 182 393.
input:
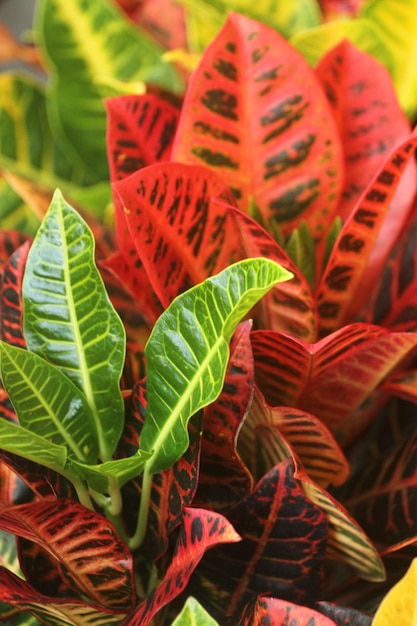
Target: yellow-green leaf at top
pixel 400 604
pixel 193 614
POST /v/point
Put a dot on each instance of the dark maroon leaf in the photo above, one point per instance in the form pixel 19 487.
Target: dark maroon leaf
pixel 200 531
pixel 343 616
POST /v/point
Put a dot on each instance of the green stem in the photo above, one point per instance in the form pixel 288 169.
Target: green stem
pixel 82 492
pixel 137 539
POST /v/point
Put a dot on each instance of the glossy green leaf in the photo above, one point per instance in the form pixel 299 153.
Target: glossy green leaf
pixel 193 614
pixel 69 319
pixel 20 441
pixel 48 403
pixel 102 477
pixel 187 352
pixel 89 46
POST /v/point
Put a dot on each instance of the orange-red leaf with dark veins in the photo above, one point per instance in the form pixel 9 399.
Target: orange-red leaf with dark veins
pixel 11 308
pixel 266 611
pixel 330 378
pixel 95 560
pixel 180 235
pixel 348 278
pixel 224 478
pixel 200 531
pixel 370 121
pixel 289 306
pixel 255 113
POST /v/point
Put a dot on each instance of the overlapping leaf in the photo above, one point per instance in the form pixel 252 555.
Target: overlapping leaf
pixel 177 231
pixel 11 309
pixel 276 612
pixel 14 212
pixel 345 283
pixel 255 113
pixel 69 320
pixel 200 531
pixel 83 543
pixel 330 378
pixel 188 350
pixel 342 616
pixel 164 20
pixel 193 614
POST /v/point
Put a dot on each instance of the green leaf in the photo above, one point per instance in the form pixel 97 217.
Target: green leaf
pixel 187 352
pixel 47 402
pixel 20 441
pixel 70 321
pixel 89 46
pixel 14 213
pixel 301 250
pixel 193 614
pixel 117 473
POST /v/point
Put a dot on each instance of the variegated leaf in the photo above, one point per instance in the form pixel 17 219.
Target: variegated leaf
pixel 276 612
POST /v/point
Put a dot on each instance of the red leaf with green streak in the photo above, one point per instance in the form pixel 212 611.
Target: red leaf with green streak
pixel 180 235
pixel 347 280
pixel 283 547
pixel 330 378
pixel 289 306
pixel 382 489
pixel 200 531
pixel 64 612
pixel 308 437
pixel 224 478
pixel 275 612
pixel 85 545
pixel 256 114
pixel 11 310
pixel 370 121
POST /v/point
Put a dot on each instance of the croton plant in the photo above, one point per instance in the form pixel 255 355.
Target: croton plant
pixel 208 317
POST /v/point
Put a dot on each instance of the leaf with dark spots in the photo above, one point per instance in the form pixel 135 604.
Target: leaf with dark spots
pixel 343 616
pixel 224 479
pixel 350 275
pixel 180 235
pixel 200 531
pixel 370 121
pixel 74 536
pixel 266 611
pixel 282 550
pixel 279 119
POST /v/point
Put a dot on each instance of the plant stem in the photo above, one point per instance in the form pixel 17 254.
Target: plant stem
pixel 136 540
pixel 82 492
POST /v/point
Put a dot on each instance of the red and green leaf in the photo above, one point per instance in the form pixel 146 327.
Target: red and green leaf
pixel 256 114
pixel 267 611
pixel 85 545
pixel 200 531
pixel 370 121
pixel 176 230
pixel 224 478
pixel 343 288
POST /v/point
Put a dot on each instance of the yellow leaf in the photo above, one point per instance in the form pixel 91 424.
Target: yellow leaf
pixel 400 604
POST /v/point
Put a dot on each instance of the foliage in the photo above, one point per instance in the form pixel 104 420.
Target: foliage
pixel 208 400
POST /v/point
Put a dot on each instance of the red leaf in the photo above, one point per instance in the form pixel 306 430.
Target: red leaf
pixel 10 240
pixel 282 551
pixel 288 307
pixel 403 385
pixel 11 310
pixel 200 531
pixel 256 114
pixel 370 120
pixel 165 21
pixel 180 235
pixel 275 612
pixel 83 542
pixel 224 478
pixel 20 594
pixel 330 378
pixel 342 290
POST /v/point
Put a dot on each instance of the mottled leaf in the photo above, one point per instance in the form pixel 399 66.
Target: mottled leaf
pixel 275 612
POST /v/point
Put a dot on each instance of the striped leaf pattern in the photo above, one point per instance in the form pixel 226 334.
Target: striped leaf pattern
pixel 255 113
pixel 178 232
pixel 200 531
pixel 341 291
pixel 11 309
pixel 100 568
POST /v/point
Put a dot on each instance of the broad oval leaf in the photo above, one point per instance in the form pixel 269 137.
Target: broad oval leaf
pixel 256 114
pixel 400 603
pixel 48 403
pixel 69 319
pixel 187 352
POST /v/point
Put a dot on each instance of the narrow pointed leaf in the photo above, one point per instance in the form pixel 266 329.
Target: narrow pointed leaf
pixel 200 531
pixel 255 113
pixel 48 403
pixel 69 320
pixel 341 292
pixel 49 610
pixel 187 352
pixel 83 542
